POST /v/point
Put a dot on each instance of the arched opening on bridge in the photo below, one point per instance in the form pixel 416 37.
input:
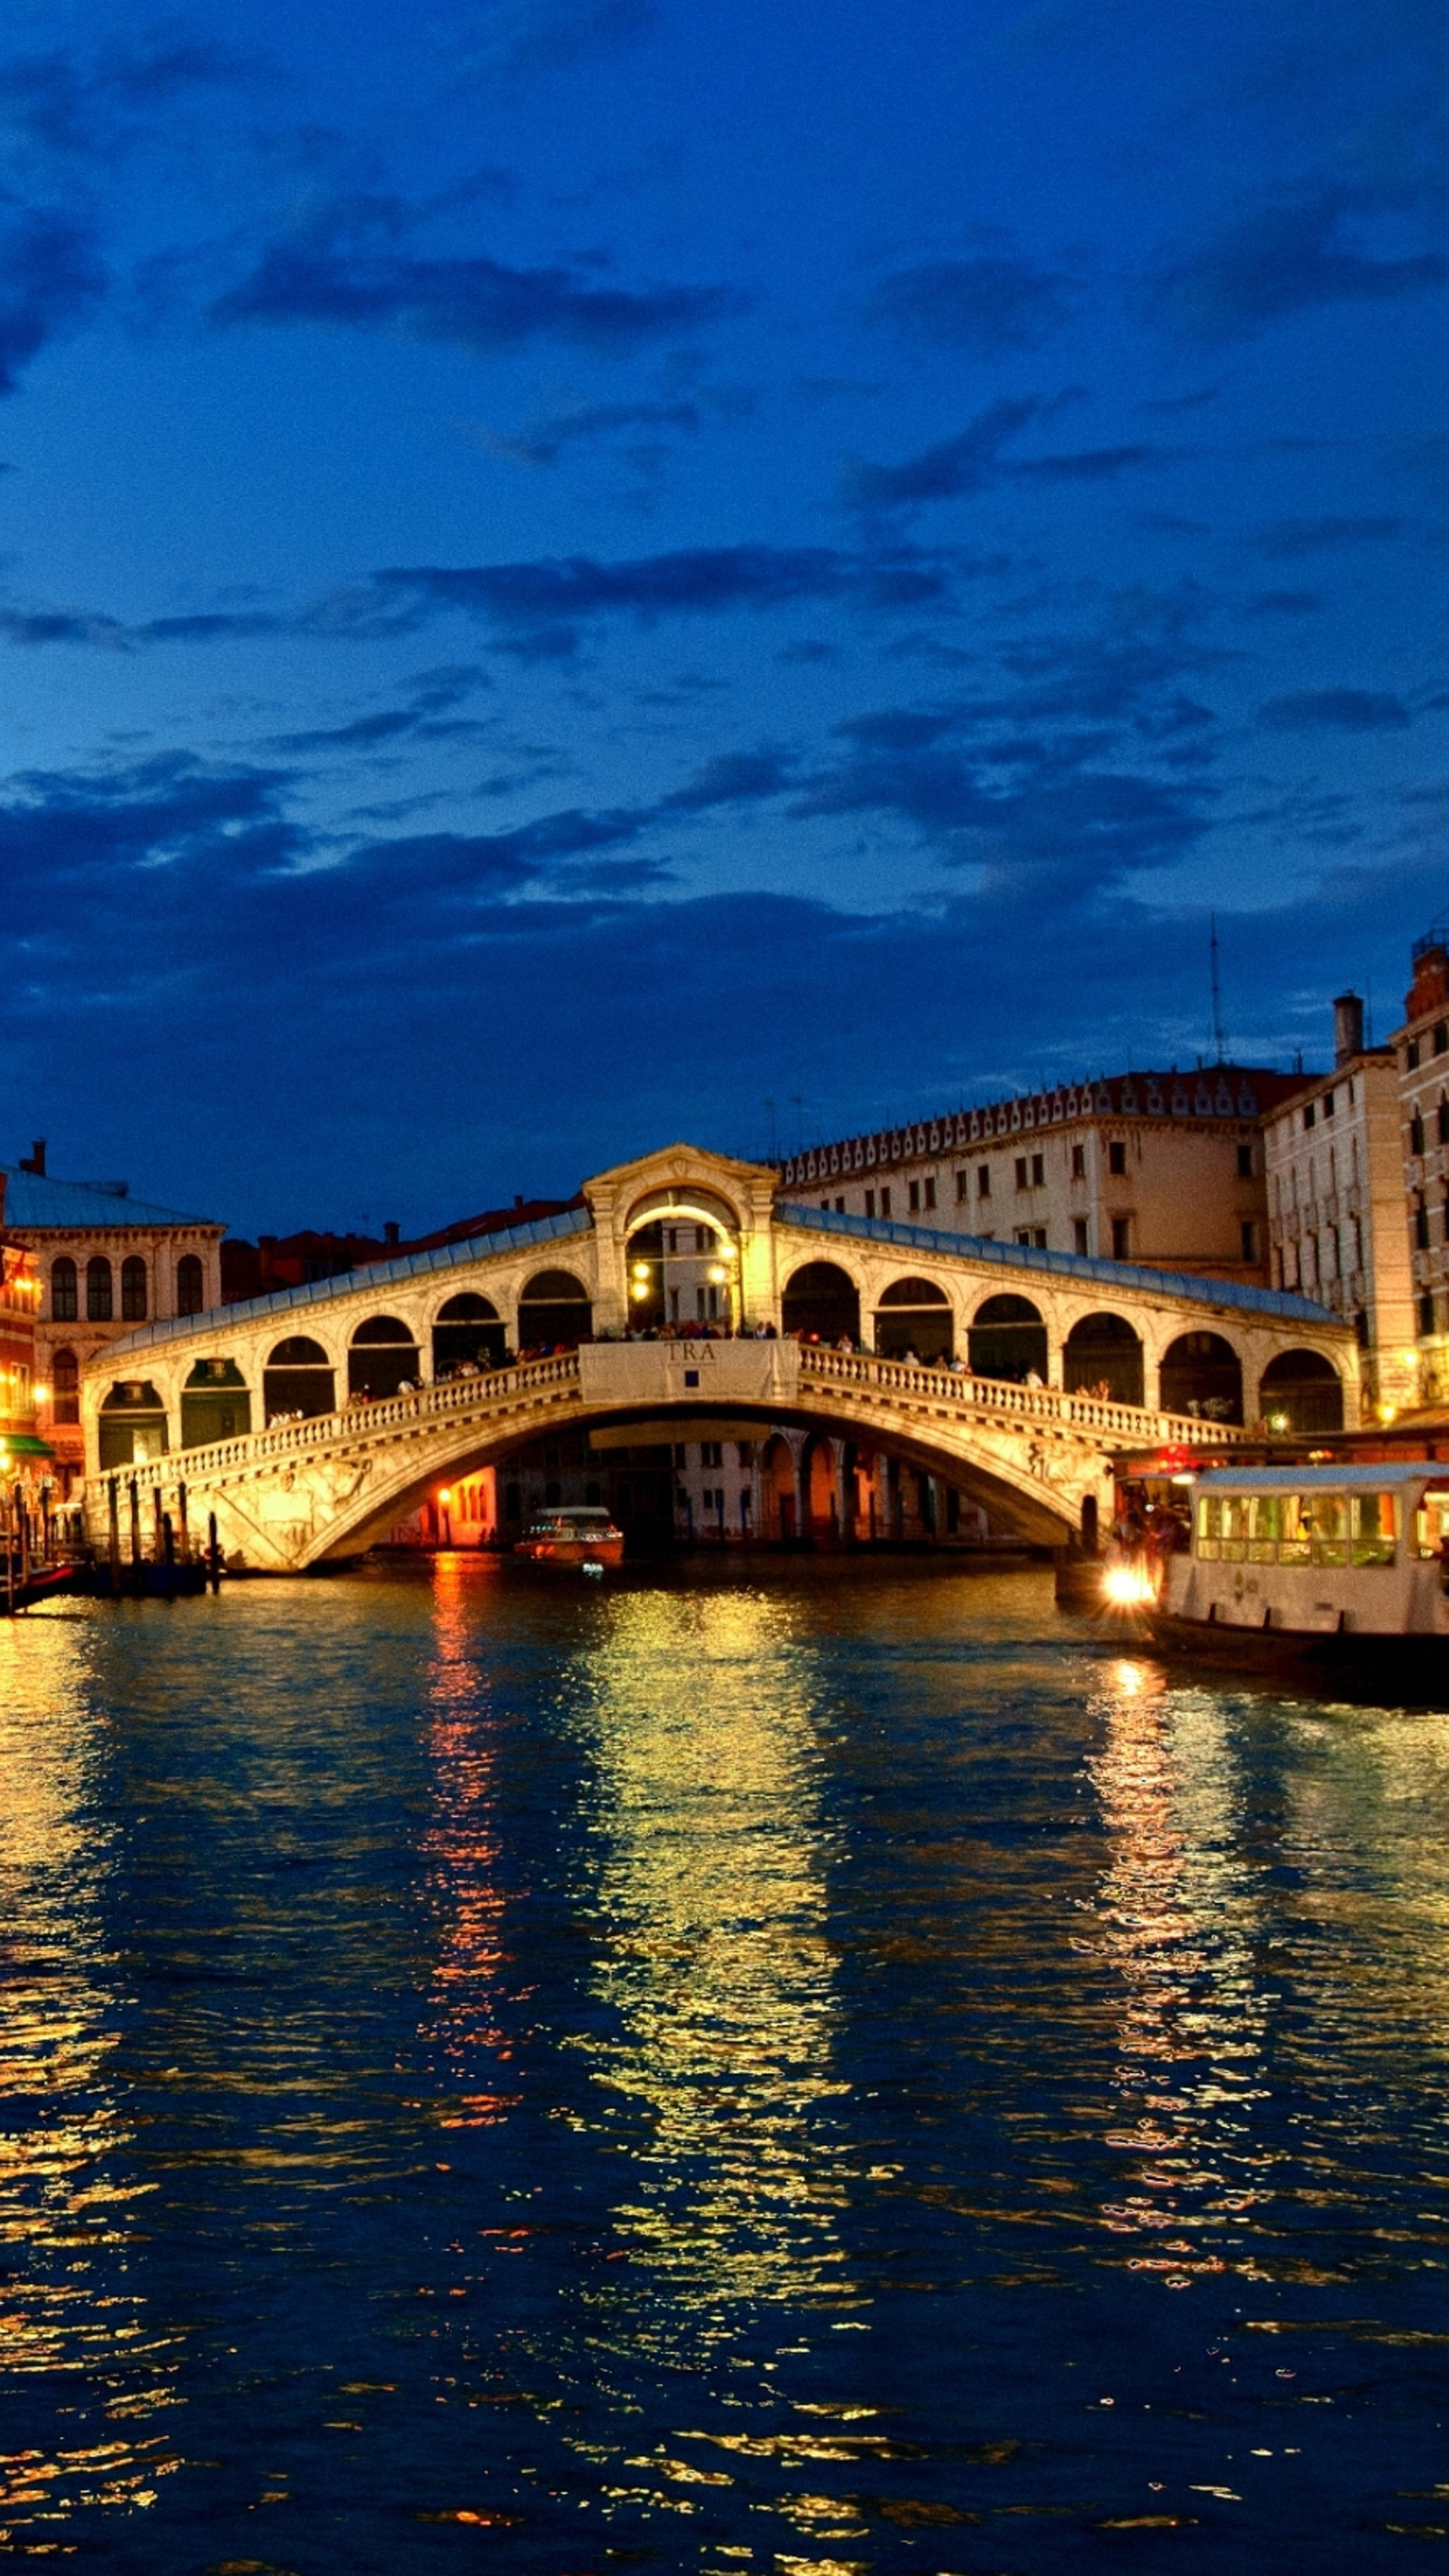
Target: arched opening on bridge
pixel 914 1315
pixel 778 1497
pixel 1102 1355
pixel 215 1404
pixel 382 1359
pixel 554 1313
pixel 1202 1374
pixel 682 1273
pixel 132 1424
pixel 467 1334
pixel 821 1488
pixel 821 1304
pixel 1008 1339
pixel 1301 1391
pixel 298 1378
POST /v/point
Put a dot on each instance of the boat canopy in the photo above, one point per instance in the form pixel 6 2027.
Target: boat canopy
pixel 1354 1478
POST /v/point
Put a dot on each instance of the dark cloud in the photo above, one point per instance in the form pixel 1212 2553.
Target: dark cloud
pixel 51 276
pixel 1289 539
pixel 71 105
pixel 732 778
pixel 547 35
pixel 1339 710
pixel 988 306
pixel 481 304
pixel 1281 259
pixel 963 464
pixel 973 461
pixel 539 608
pixel 543 443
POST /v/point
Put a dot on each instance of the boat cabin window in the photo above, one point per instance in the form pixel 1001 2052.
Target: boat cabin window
pixel 1303 1529
pixel 1432 1524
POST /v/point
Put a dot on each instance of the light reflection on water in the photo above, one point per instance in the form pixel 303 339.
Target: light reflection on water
pixel 717 1966
pixel 73 2315
pixel 824 2072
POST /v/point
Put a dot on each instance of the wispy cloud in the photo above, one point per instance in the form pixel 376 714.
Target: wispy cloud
pixel 1336 711
pixel 1295 253
pixel 51 276
pixel 988 306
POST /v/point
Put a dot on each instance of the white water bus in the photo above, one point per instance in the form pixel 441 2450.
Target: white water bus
pixel 1344 1565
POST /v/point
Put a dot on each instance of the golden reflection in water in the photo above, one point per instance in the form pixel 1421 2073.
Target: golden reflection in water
pixel 1175 1916
pixel 717 1971
pixel 461 1856
pixel 70 2312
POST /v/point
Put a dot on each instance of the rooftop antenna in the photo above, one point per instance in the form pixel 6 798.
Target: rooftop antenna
pixel 1219 1040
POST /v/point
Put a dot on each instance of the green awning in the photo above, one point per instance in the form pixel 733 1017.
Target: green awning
pixel 23 1444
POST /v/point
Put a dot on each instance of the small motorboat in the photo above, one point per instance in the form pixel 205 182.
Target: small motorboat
pixel 581 1535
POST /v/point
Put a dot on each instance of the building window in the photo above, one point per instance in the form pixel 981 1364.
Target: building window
pixel 65 1387
pixel 1038 1236
pixel 913 1193
pixel 1441 1037
pixel 1358 1244
pixel 1421 1223
pixel 1117 1157
pixel 930 1193
pixel 746 1450
pixel 1038 1171
pixel 1023 1234
pixel 188 1285
pixel 870 1202
pixel 840 1207
pixel 133 1290
pixel 1121 1238
pixel 1021 1171
pixel 1328 1104
pixel 63 1302
pixel 1079 1234
pixel 1426 1313
pixel 98 1289
pixel 983 1182
pixel 1443 1119
pixel 1310 1115
pixel 711 1453
pixel 1411 1055
pixel 1250 1239
pixel 963 1184
pixel 1245 1162
pixel 1416 1134
pixel 1079 1162
pixel 885 1202
pixel 825 1207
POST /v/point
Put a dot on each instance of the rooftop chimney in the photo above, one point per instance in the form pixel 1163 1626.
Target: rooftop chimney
pixel 391 1230
pixel 35 1161
pixel 518 1198
pixel 1347 1027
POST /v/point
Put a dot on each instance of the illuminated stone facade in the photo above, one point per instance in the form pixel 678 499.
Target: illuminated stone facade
pixel 104 1264
pixel 1336 1204
pixel 1164 1169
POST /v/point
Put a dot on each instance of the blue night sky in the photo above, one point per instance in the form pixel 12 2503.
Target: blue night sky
pixel 573 567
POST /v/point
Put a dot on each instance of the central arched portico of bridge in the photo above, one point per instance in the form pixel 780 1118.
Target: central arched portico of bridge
pixel 456 1357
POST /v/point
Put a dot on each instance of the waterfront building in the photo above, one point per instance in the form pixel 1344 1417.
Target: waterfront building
pixel 104 1264
pixel 1421 1050
pixel 1161 1169
pixel 19 1298
pixel 1335 1175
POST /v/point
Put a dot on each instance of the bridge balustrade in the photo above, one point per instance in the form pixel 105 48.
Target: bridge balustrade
pixel 859 1371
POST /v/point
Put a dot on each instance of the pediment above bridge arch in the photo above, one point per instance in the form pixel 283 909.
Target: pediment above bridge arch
pixel 688 1179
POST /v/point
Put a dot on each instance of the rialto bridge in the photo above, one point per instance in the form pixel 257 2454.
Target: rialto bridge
pixel 312 1421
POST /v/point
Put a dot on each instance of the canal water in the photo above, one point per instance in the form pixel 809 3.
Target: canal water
pixel 828 2071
